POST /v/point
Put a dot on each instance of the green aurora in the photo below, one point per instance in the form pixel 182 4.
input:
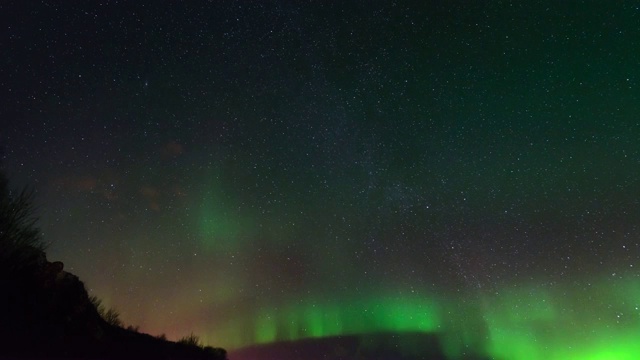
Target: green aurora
pixel 592 321
pixel 256 172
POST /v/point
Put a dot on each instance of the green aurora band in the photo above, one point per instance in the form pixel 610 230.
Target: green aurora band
pixel 589 321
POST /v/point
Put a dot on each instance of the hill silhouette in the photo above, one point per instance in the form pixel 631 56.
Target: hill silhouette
pixel 46 312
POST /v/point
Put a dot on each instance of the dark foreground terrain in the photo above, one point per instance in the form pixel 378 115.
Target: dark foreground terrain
pixel 46 312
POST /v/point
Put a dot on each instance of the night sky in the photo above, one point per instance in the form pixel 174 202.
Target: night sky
pixel 264 171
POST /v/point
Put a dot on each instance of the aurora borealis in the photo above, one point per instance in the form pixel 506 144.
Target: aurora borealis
pixel 258 172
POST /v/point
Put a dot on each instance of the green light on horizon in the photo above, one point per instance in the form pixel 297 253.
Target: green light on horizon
pixel 359 317
pixel 600 321
pixel 596 322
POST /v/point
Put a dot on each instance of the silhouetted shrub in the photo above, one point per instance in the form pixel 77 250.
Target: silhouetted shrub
pixel 191 339
pixel 218 353
pixel 112 316
pixel 162 336
pixel 133 328
pixel 97 303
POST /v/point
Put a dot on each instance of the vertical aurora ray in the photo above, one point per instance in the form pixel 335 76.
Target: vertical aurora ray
pixel 220 224
pixel 266 329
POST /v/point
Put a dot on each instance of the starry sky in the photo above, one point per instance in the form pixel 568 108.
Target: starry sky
pixel 265 171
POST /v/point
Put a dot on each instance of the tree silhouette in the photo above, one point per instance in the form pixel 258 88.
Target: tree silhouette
pixel 47 313
pixel 21 245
